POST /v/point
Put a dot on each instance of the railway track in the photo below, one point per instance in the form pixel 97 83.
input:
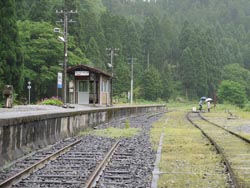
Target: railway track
pixel 29 165
pixel 68 169
pixel 132 162
pixel 89 161
pixel 234 149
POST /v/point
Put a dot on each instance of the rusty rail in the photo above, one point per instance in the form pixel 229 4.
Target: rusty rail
pixel 17 177
pixel 220 151
pixel 95 174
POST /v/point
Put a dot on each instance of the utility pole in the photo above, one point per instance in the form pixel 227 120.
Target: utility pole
pixel 110 65
pixel 132 79
pixel 29 87
pixel 64 39
pixel 148 60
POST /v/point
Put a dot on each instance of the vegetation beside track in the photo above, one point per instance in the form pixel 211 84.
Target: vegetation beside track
pixel 188 159
pixel 232 118
pixel 112 132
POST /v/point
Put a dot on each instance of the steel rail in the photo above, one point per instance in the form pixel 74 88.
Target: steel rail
pixel 220 151
pixel 158 113
pixel 231 132
pixel 17 177
pixel 95 174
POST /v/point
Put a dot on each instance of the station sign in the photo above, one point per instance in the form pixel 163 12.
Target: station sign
pixel 81 73
pixel 59 80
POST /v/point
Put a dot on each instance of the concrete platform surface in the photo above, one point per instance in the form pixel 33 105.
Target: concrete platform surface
pixel 33 110
pixel 30 110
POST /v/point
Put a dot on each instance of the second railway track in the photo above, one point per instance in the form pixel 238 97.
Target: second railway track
pixel 234 149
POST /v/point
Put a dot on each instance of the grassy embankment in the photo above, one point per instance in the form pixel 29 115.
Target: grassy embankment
pixel 188 160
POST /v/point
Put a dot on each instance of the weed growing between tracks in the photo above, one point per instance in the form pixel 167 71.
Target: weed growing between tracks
pixel 188 159
pixel 237 121
pixel 112 132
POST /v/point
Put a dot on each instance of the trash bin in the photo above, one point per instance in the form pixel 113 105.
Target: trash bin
pixel 8 96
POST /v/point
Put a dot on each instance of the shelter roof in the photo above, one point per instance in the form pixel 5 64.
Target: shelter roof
pixel 71 70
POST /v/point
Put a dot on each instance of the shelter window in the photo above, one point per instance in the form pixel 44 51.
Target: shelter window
pixel 83 86
pixel 92 87
pixel 105 86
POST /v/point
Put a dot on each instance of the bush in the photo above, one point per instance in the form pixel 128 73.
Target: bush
pixel 232 92
pixel 247 107
pixel 52 101
pixel 127 124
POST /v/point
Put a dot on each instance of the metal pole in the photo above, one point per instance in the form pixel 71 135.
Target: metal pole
pixel 132 80
pixel 148 60
pixel 112 54
pixel 29 87
pixel 29 96
pixel 65 58
pixel 111 61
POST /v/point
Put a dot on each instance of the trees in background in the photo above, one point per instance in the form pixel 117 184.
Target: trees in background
pixel 187 53
pixel 11 58
pixel 232 92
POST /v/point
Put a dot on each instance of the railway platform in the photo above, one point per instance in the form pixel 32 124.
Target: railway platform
pixel 26 128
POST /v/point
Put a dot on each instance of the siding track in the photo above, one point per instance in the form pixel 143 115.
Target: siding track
pixel 234 149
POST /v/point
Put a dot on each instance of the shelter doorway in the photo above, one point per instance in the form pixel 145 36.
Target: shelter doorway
pixel 83 92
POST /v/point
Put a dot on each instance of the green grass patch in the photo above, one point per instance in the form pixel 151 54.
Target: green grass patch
pixel 188 159
pixel 112 132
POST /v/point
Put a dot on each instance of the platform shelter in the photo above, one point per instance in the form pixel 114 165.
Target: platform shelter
pixel 88 85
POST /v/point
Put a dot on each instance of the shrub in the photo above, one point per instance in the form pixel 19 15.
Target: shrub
pixel 247 107
pixel 232 92
pixel 127 124
pixel 52 101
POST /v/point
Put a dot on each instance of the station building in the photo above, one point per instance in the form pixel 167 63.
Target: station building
pixel 88 85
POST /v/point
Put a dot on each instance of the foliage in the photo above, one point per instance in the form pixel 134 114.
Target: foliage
pixel 52 101
pixel 247 107
pixel 41 55
pixel 152 84
pixel 237 73
pixel 11 62
pixel 127 124
pixel 187 72
pixel 182 48
pixel 232 92
pixel 117 133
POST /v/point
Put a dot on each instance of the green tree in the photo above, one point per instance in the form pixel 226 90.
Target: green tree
pixel 133 45
pixel 40 10
pixel 121 79
pixel 187 73
pixel 167 83
pixel 232 92
pixel 101 42
pixel 93 54
pixel 152 84
pixel 185 36
pixel 11 60
pixel 200 73
pixel 210 55
pixel 43 54
pixel 148 39
pixel 237 73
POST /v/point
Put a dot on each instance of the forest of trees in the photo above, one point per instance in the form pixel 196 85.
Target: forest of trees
pixel 185 49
